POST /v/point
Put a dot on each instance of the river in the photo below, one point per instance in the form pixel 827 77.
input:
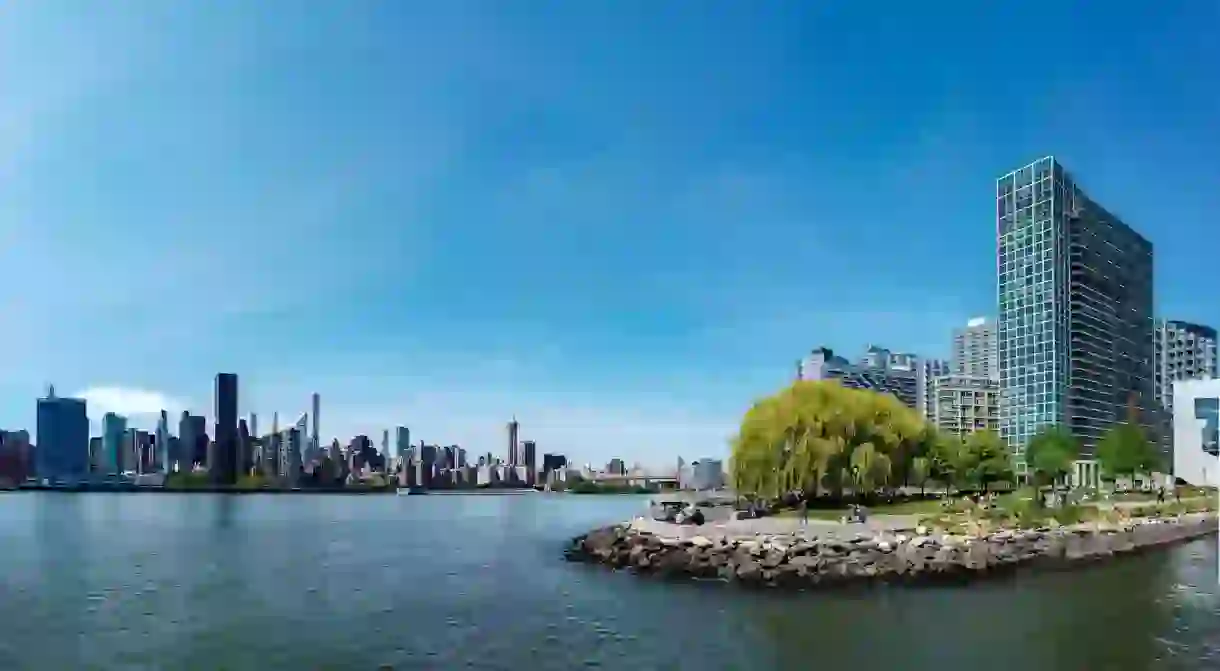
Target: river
pixel 213 582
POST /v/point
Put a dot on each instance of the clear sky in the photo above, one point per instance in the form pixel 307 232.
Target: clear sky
pixel 621 221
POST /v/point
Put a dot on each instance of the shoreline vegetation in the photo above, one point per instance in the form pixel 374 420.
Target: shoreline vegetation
pixel 835 485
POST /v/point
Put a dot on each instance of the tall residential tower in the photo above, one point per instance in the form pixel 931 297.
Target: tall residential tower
pixel 1183 351
pixel 1075 306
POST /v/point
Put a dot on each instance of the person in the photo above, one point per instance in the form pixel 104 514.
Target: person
pixel 804 507
pixel 1160 494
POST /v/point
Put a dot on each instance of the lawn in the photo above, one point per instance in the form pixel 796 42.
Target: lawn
pixel 925 507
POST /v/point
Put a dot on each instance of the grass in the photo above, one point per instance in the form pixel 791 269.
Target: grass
pixel 925 507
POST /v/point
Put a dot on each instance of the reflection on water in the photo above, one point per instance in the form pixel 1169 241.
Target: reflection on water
pixel 349 582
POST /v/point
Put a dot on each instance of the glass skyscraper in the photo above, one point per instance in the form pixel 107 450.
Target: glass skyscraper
pixel 222 459
pixel 62 451
pixel 1075 312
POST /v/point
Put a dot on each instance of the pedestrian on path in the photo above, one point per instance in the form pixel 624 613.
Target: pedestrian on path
pixel 804 512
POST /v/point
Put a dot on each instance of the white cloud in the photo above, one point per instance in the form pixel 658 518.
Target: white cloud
pixel 128 402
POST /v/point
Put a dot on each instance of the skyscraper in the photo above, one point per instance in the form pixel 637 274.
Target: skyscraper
pixel 192 441
pixel 316 408
pixel 1075 306
pixel 529 455
pixel 113 428
pixel 62 448
pixel 1183 351
pixel 161 459
pixel 975 350
pixel 402 442
pixel 222 459
pixel 514 456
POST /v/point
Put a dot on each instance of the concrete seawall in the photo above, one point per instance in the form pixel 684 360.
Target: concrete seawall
pixel 794 561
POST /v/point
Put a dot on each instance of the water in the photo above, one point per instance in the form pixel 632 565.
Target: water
pixel 115 581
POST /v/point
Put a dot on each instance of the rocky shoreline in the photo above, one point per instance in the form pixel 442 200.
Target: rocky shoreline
pixel 786 560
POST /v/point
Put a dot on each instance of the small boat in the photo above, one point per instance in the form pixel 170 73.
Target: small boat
pixel 414 491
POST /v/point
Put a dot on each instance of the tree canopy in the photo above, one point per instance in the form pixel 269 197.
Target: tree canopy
pixel 1051 454
pixel 819 433
pixel 1126 450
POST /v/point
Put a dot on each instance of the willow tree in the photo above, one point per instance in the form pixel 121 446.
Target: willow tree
pixel 817 433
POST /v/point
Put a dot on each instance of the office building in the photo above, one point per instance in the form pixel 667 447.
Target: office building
pixel 965 404
pixel 1075 313
pixel 1196 429
pixel 192 441
pixel 706 474
pixel 62 452
pixel 975 350
pixel 529 458
pixel 402 442
pixel 245 448
pixel 616 467
pixel 222 459
pixel 16 457
pixel 97 458
pixel 161 459
pixel 113 428
pixel 1182 351
pixel 514 457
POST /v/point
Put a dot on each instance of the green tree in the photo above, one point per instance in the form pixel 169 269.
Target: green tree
pixel 985 459
pixel 1125 450
pixel 948 460
pixel 921 468
pixel 813 433
pixel 1051 454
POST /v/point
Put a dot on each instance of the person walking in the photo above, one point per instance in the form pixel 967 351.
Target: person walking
pixel 804 507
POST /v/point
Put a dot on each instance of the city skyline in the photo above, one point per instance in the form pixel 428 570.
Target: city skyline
pixel 627 264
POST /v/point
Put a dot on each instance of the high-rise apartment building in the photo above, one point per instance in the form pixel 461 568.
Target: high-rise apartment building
pixel 62 449
pixel 1182 351
pixel 1075 312
pixel 906 376
pixel 975 350
pixel 965 404
pixel 222 458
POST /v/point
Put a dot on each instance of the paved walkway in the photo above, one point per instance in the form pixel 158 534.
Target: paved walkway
pixel 749 528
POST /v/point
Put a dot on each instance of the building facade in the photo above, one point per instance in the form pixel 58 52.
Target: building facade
pixel 192 441
pixel 965 404
pixel 1182 351
pixel 113 428
pixel 1075 312
pixel 514 430
pixel 61 452
pixel 975 350
pixel 222 458
pixel 1196 429
pixel 878 370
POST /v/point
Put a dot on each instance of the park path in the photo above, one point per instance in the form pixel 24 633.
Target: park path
pixel 748 528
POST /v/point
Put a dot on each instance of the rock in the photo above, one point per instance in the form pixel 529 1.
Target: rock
pixel 783 560
pixel 749 570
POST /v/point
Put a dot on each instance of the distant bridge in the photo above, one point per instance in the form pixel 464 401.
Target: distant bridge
pixel 638 479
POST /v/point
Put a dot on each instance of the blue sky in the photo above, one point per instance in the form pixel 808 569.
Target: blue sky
pixel 621 221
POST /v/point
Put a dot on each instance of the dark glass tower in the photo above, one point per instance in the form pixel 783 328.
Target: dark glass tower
pixel 1075 306
pixel 62 452
pixel 222 461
